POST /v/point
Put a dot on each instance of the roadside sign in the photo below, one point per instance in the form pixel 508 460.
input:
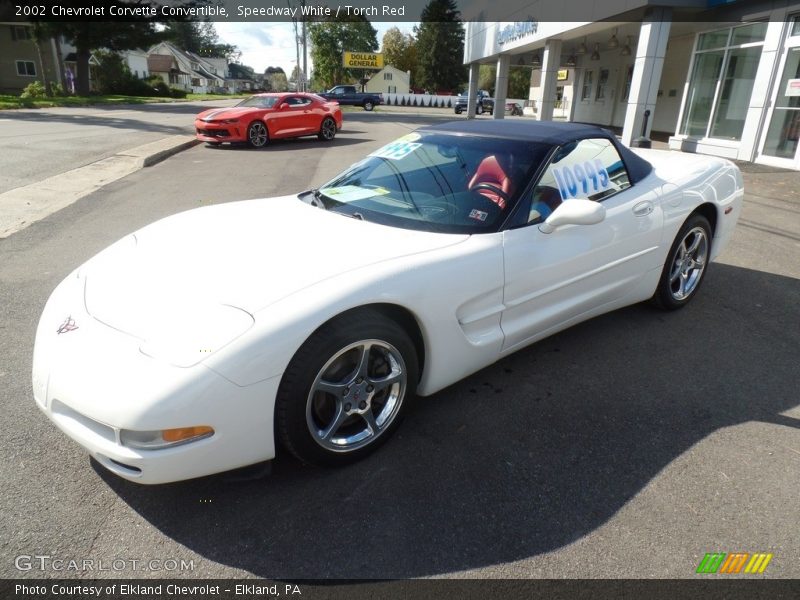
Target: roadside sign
pixel 362 60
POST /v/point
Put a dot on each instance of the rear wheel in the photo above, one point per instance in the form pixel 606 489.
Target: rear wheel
pixel 327 130
pixel 346 389
pixel 686 264
pixel 257 135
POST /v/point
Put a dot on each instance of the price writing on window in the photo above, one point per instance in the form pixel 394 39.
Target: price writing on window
pixel 582 179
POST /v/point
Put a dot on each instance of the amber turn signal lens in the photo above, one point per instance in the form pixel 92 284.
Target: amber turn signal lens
pixel 186 433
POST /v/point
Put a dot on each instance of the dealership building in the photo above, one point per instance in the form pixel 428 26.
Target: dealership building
pixel 718 77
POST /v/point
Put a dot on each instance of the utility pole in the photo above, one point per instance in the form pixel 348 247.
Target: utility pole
pixel 305 53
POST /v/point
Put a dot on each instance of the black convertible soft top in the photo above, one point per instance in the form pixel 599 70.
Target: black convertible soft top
pixel 545 132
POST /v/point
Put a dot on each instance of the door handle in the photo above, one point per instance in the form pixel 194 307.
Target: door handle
pixel 643 208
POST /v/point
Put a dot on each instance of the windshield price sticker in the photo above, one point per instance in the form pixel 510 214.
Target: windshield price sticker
pixel 579 180
pixel 351 193
pixel 396 150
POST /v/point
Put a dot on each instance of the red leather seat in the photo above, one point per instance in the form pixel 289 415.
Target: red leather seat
pixel 490 171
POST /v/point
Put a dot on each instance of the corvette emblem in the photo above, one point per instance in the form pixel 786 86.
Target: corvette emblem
pixel 67 326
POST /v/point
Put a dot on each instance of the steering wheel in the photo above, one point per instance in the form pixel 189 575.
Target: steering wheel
pixel 492 188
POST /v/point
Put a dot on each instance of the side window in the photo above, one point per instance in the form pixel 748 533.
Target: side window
pixel 591 169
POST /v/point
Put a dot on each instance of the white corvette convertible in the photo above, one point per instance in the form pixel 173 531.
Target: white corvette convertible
pixel 201 342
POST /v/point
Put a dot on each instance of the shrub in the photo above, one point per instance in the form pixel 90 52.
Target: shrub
pixel 114 77
pixel 33 90
pixel 177 93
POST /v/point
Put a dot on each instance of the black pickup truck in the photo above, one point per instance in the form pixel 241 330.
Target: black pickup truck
pixel 483 104
pixel 347 94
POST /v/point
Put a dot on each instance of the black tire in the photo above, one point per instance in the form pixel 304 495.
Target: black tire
pixel 369 105
pixel 682 275
pixel 257 135
pixel 213 144
pixel 327 129
pixel 458 110
pixel 479 109
pixel 302 407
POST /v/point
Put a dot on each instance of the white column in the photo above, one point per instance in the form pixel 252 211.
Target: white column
pixel 472 91
pixel 761 94
pixel 551 60
pixel 501 86
pixel 653 37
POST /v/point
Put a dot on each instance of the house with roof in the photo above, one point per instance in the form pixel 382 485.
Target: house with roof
pixel 22 62
pixel 186 70
pixel 389 80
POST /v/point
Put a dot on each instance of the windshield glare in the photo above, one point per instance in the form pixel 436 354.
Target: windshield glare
pixel 259 101
pixel 436 182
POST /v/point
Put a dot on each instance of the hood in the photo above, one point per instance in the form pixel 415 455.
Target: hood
pixel 242 256
pixel 217 114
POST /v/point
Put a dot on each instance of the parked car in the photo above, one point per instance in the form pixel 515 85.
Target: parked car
pixel 197 343
pixel 347 94
pixel 514 109
pixel 264 117
pixel 484 103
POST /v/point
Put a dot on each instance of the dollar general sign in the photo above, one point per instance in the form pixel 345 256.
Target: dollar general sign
pixel 362 60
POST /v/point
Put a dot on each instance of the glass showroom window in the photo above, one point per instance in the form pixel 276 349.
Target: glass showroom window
pixel 723 73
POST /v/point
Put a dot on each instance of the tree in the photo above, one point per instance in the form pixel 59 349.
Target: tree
pixel 399 50
pixel 329 40
pixel 296 78
pixel 519 81
pixel 487 75
pixel 440 47
pixel 278 82
pixel 269 73
pixel 200 37
pixel 111 35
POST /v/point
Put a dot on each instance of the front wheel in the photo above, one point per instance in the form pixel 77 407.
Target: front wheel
pixel 368 105
pixel 257 135
pixel 479 109
pixel 345 390
pixel 327 130
pixel 686 265
pixel 458 110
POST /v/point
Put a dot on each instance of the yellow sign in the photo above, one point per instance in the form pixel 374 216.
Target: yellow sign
pixel 362 60
pixel 563 75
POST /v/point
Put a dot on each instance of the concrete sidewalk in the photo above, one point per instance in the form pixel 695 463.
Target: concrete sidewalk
pixel 27 204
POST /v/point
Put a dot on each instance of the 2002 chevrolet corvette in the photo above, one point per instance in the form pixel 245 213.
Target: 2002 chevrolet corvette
pixel 195 344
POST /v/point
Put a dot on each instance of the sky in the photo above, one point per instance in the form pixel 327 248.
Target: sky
pixel 272 44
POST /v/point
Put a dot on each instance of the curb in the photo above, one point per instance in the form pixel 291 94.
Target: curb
pixel 28 204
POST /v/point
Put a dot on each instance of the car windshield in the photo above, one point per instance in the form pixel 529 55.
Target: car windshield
pixel 436 182
pixel 259 101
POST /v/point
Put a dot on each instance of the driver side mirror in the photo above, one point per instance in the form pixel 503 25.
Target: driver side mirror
pixel 574 212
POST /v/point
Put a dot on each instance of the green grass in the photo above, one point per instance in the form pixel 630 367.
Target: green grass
pixel 8 101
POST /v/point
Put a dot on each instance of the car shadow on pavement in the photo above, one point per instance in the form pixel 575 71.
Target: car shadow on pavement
pixel 290 144
pixel 522 458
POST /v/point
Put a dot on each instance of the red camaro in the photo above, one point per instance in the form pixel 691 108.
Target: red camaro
pixel 264 117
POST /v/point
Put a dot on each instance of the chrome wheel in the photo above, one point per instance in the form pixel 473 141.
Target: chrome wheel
pixel 688 263
pixel 257 135
pixel 368 105
pixel 328 129
pixel 356 395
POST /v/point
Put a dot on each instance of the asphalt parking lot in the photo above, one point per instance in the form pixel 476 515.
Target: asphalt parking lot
pixel 628 446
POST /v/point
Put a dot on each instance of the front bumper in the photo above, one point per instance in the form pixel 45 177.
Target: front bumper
pixel 93 381
pixel 219 132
